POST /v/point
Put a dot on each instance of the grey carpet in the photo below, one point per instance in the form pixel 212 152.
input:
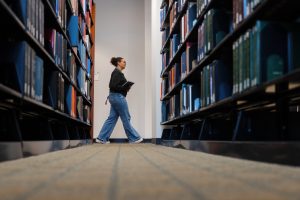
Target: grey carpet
pixel 144 171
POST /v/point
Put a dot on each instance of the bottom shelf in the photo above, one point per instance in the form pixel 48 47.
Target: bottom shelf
pixel 16 150
pixel 272 152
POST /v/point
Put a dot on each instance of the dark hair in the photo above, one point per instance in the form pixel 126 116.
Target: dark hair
pixel 115 60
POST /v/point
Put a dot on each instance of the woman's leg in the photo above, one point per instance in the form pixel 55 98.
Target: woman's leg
pixel 121 106
pixel 108 125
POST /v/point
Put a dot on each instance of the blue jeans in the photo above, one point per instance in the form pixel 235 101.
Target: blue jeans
pixel 119 107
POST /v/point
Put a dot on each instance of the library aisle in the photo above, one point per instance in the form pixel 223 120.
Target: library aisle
pixel 144 171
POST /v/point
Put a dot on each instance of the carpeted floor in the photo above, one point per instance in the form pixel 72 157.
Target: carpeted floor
pixel 144 171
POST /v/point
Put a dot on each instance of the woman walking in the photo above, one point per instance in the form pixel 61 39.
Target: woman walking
pixel 117 97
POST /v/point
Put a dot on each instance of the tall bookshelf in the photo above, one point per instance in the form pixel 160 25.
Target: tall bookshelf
pixel 47 66
pixel 230 70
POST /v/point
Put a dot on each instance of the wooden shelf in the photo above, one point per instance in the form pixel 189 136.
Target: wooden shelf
pixel 24 102
pixel 248 98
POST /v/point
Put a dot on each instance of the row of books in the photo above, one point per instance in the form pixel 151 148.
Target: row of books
pixel 71 68
pixel 63 97
pixel 187 101
pixel 83 83
pixel 256 59
pixel 83 111
pixel 170 81
pixel 56 45
pixel 189 19
pixel 189 98
pixel 87 41
pixel 31 13
pixel 243 8
pixel 77 42
pixel 265 52
pixel 165 35
pixel 180 69
pixel 201 5
pixel 55 90
pixel 187 23
pixel 173 14
pixel 88 21
pixel 22 69
pixel 77 75
pixel 82 53
pixel 26 73
pixel 215 27
pixel 188 59
pixel 59 6
pixel 163 15
pixel 86 5
pixel 216 81
pixel 165 60
pixel 75 106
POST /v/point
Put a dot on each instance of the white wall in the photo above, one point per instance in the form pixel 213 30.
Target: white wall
pixel 120 31
pixel 130 29
pixel 148 71
pixel 156 40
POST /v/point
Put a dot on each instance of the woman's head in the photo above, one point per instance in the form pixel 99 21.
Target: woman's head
pixel 118 62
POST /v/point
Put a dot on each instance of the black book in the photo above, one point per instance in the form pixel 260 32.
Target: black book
pixel 127 84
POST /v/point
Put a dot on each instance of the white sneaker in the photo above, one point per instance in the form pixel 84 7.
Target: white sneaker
pixel 138 141
pixel 101 141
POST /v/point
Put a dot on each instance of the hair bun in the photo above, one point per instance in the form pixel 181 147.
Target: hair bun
pixel 114 60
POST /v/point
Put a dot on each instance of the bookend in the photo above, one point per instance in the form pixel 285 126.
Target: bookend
pixel 34 128
pixel 191 131
pixel 166 134
pixel 176 133
pixel 257 126
pixel 10 128
pixel 216 129
pixel 74 136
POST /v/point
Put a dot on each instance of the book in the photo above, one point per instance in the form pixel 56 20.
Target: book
pixel 127 85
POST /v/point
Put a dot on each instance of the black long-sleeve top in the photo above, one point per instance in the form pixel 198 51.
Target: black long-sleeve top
pixel 117 79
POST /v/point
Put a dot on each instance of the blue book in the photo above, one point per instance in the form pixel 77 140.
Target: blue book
pixel 13 59
pixel 20 8
pixel 191 56
pixel 272 50
pixel 73 31
pixel 37 78
pixel 183 64
pixel 195 96
pixel 39 74
pixel 293 38
pixel 192 15
pixel 177 73
pixel 164 111
pixel 18 58
pixel 89 67
pixel 221 25
pixel 222 79
pixel 176 42
pixel 177 105
pixel 68 99
pixel 52 93
pixel 245 8
pixel 80 80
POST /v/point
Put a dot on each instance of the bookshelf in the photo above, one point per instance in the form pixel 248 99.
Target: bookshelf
pixel 46 86
pixel 206 75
